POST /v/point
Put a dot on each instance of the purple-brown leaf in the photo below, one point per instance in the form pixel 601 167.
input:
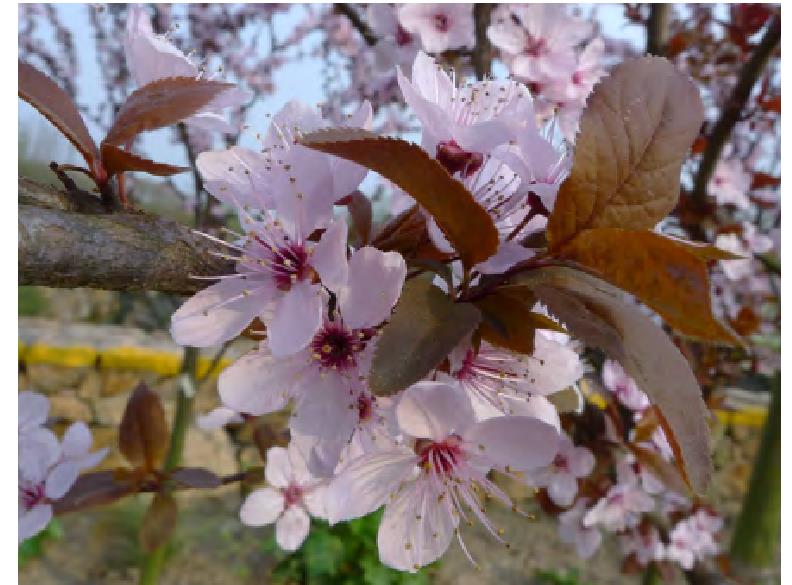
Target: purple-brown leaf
pixel 116 160
pixel 143 434
pixel 55 104
pixel 162 103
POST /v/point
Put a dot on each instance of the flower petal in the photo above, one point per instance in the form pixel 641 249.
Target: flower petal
pixel 278 471
pixel 366 482
pixel 433 410
pixel 297 317
pixel 292 527
pixel 33 521
pixel 375 282
pixel 521 442
pixel 416 528
pixel 257 383
pixel 261 507
pixel 211 318
pixel 329 256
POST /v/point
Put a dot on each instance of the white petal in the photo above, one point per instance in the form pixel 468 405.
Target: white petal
pixel 292 527
pixel 315 499
pixel 521 442
pixel 219 417
pixel 329 256
pixel 60 479
pixel 416 528
pixel 33 409
pixel 257 383
pixel 38 450
pixel 298 315
pixel 562 489
pixel 535 406
pixel 434 410
pixel 261 507
pixel 278 470
pixel 236 176
pixel 33 521
pixel 374 286
pixel 581 461
pixel 199 322
pixel 365 484
pixel 508 254
pixel 326 407
pixel 76 440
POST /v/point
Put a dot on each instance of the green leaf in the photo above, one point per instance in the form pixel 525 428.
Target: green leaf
pixel 426 325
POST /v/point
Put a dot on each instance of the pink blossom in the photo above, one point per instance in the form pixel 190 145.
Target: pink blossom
pixel 623 386
pixel 693 539
pixel 643 542
pixel 572 530
pixel 730 184
pixel 494 378
pixel 151 57
pixel 47 468
pixel 575 88
pixel 538 40
pixel 462 124
pixel 623 505
pixel 560 477
pixel 440 26
pixel 278 267
pixel 293 494
pixel 326 377
pixel 395 47
pixel 441 467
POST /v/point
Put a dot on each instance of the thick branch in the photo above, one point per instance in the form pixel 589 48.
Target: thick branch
pixel 657 29
pixel 482 53
pixel 122 251
pixel 730 115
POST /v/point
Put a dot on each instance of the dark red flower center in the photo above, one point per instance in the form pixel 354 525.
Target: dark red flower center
pixel 441 22
pixel 402 36
pixel 441 456
pixel 31 495
pixel 289 265
pixel 534 47
pixel 577 78
pixel 457 160
pixel 335 346
pixel 561 462
pixel 292 495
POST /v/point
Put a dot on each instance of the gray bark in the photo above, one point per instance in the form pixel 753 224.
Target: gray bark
pixel 61 247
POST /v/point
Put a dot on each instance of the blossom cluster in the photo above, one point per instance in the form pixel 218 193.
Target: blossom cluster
pixel 48 467
pixel 320 306
pixel 626 505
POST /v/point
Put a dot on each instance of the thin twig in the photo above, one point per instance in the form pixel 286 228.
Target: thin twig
pixel 730 115
pixel 657 28
pixel 361 26
pixel 482 53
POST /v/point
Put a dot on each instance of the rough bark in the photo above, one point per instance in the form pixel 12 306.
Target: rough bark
pixel 61 247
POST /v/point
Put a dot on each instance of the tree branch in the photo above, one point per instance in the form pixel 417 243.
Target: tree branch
pixel 482 53
pixel 121 251
pixel 730 115
pixel 363 28
pixel 657 29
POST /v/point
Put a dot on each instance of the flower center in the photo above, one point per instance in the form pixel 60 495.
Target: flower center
pixel 292 494
pixel 561 462
pixel 577 78
pixel 290 264
pixel 441 22
pixel 31 495
pixel 441 457
pixel 457 160
pixel 534 47
pixel 402 36
pixel 335 346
